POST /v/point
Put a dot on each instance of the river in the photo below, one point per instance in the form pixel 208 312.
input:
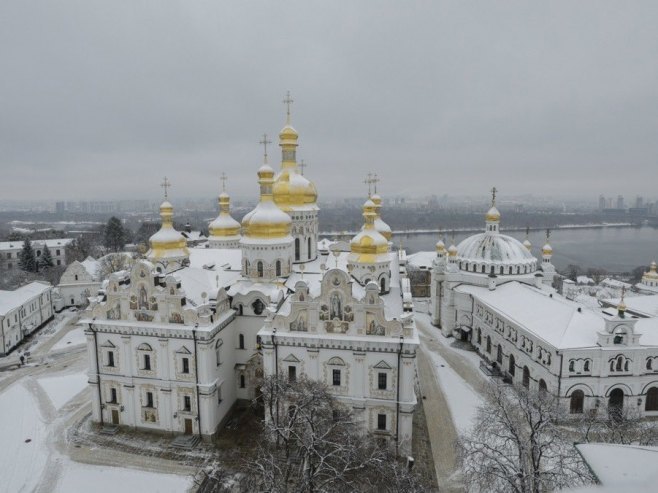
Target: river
pixel 617 249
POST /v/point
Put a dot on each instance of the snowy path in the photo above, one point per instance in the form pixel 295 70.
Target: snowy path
pixel 39 403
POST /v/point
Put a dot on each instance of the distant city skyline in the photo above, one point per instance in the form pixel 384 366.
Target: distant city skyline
pixel 557 98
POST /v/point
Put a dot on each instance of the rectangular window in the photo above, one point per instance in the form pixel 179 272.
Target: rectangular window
pixel 113 395
pixel 186 365
pixel 187 403
pixel 110 358
pixel 381 381
pixel 57 252
pixel 147 362
pixel 59 262
pixel 149 399
pixel 381 422
pixel 336 377
pixel 292 373
pixel 219 394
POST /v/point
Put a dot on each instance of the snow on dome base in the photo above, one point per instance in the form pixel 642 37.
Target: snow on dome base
pixel 497 251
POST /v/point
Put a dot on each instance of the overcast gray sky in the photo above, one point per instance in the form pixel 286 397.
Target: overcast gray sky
pixel 102 99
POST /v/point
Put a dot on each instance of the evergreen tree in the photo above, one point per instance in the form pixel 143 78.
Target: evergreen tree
pixel 27 260
pixel 46 260
pixel 115 235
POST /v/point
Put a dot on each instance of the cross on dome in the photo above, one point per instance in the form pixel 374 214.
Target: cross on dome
pixel 302 165
pixel 368 181
pixel 264 143
pixel 165 184
pixel 375 179
pixel 288 101
pixel 493 196
pixel 548 234
pixel 223 179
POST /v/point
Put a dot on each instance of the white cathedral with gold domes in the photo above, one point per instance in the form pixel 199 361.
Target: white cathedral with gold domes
pixel 183 337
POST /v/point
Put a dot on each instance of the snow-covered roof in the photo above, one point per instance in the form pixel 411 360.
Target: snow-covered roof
pixel 494 249
pixel 629 467
pixel 555 319
pixel 9 300
pixel 614 283
pixel 584 280
pixel 645 306
pixel 92 266
pixel 197 282
pixel 220 258
pixel 54 243
pixel 421 259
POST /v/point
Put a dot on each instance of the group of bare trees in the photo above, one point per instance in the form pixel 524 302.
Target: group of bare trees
pixel 312 443
pixel 523 441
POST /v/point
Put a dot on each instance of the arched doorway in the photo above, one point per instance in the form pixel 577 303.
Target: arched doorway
pixel 652 400
pixel 616 404
pixel 576 403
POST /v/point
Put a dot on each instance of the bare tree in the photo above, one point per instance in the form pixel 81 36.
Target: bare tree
pixel 516 445
pixel 312 443
pixel 114 262
pixel 626 427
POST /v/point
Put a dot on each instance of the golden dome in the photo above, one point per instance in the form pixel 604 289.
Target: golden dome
pixel 167 242
pixel 547 249
pixel 652 274
pixel 380 225
pixel 224 225
pixel 267 220
pixel 452 251
pixel 368 243
pixel 493 215
pixel 527 244
pixel 440 247
pixel 291 189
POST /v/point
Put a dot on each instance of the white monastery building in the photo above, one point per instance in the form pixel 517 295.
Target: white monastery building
pixel 22 312
pixel 10 251
pixel 490 290
pixel 187 333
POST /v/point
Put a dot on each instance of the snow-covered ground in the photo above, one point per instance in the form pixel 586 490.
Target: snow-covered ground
pixel 75 337
pixel 61 389
pixel 462 400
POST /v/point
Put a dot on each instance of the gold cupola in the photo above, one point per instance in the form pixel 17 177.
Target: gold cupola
pixel 224 225
pixel 368 243
pixel 652 274
pixel 267 220
pixel 380 225
pixel 291 189
pixel 167 244
pixel 440 247
pixel 526 242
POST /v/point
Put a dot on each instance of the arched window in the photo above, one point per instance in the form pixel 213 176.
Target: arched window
pixel 577 400
pixel 542 386
pixel 526 377
pixel 651 403
pixel 612 365
pixel 479 338
pixel 488 344
pixel 240 310
pixel 296 248
pixel 259 268
pixel 619 363
pixel 258 306
pixel 512 365
pixel 572 366
pixel 501 270
pixel 218 351
pixel 278 268
pixel 483 268
pixel 241 341
pixel 242 381
pixel 649 363
pixel 246 266
pixel 616 404
pixel 618 339
pixel 499 354
pixel 382 285
pixel 509 271
pixel 308 241
pixel 626 365
pixel 586 366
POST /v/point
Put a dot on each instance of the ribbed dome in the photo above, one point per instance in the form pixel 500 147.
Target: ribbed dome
pixel 368 243
pixel 267 220
pixel 380 225
pixel 497 250
pixel 167 242
pixel 224 225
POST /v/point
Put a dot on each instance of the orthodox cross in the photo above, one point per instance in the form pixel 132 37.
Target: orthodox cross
pixel 374 181
pixel 368 181
pixel 288 101
pixel 493 196
pixel 548 234
pixel 165 184
pixel 623 293
pixel 527 231
pixel 302 165
pixel 264 143
pixel 223 179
